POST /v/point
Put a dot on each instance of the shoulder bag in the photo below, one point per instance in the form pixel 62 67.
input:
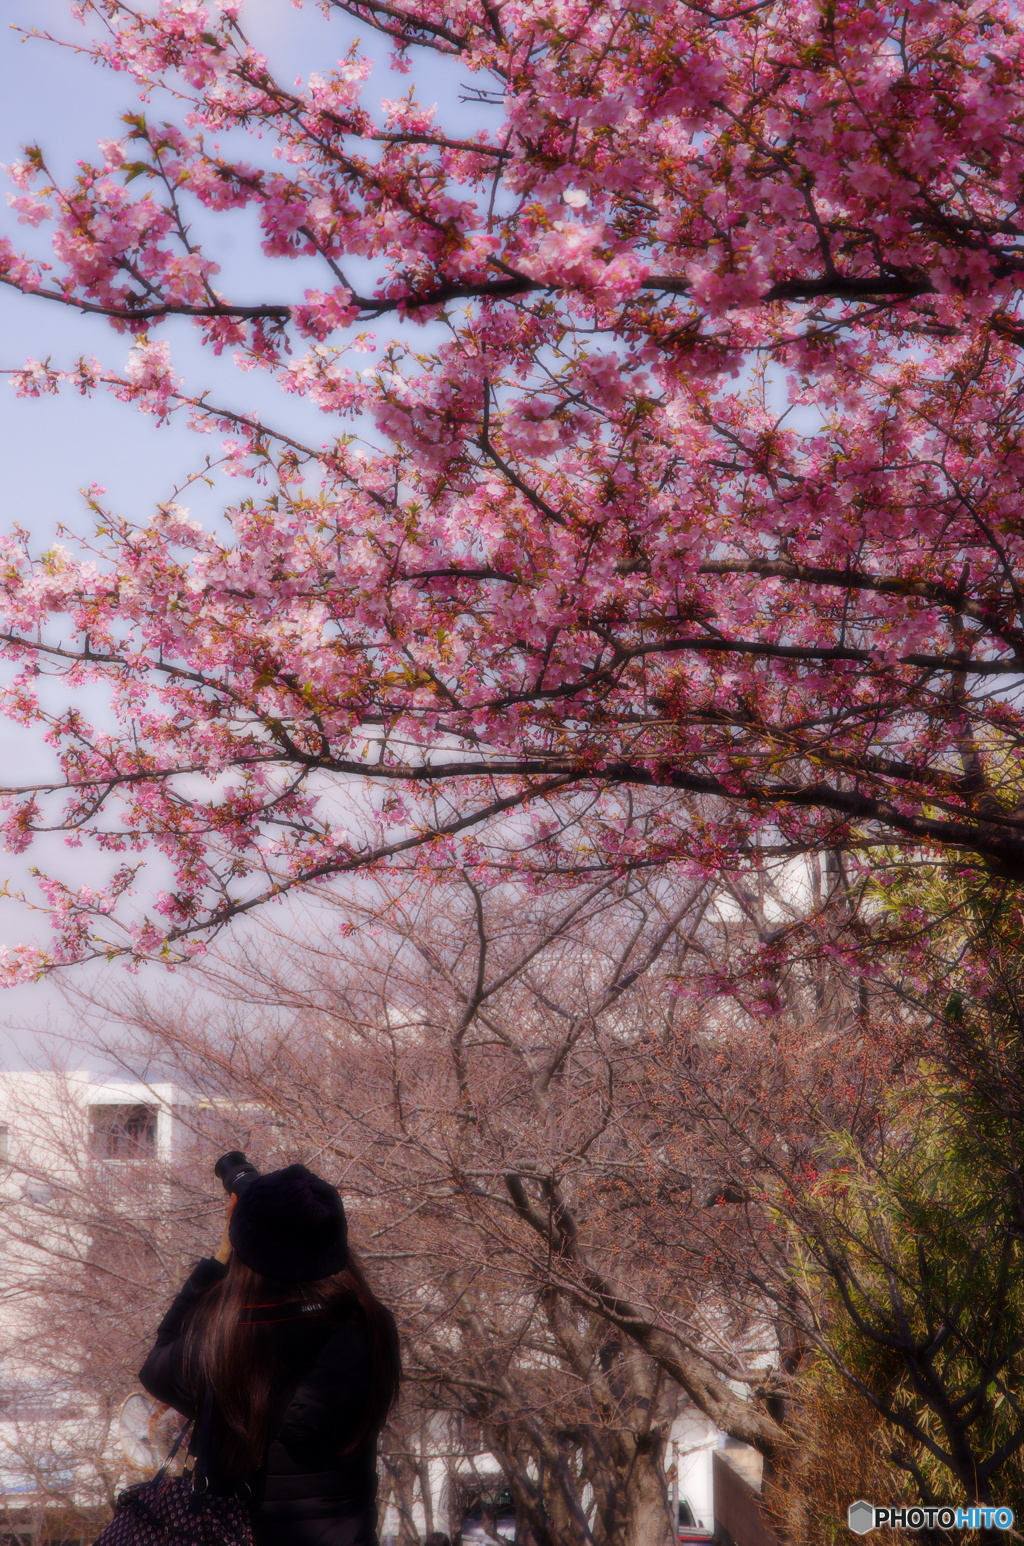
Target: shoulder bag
pixel 177 1511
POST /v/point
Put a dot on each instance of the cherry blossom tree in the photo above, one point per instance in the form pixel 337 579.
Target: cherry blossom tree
pixel 671 516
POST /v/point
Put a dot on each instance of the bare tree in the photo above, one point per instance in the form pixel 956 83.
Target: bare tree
pixel 480 1069
pixel 90 1250
pixel 591 1185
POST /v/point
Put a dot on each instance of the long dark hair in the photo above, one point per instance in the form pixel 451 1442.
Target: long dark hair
pixel 239 1362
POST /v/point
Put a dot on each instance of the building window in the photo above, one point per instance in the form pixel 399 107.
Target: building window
pixel 5 1141
pixel 123 1132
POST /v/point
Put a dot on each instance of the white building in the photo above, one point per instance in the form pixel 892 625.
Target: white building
pixel 58 1131
pixel 46 1117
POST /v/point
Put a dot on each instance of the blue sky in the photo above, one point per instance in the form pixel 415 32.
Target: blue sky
pixel 54 447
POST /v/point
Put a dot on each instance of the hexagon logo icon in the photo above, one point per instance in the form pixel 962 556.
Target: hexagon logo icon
pixel 860 1516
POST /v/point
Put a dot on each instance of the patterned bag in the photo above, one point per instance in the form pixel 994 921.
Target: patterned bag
pixel 169 1511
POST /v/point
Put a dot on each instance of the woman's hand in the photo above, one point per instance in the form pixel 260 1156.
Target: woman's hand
pixel 224 1252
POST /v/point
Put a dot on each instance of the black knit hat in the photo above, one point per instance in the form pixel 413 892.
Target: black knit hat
pixel 290 1224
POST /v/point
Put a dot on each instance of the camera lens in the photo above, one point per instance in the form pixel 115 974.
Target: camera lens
pixel 234 1171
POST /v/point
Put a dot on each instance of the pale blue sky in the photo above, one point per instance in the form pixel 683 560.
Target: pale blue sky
pixel 53 447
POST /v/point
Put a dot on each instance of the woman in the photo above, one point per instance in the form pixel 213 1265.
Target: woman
pixel 289 1364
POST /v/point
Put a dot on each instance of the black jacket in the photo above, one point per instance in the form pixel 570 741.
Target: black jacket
pixel 307 1493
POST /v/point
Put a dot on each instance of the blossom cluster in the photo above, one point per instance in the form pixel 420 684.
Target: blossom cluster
pixel 704 499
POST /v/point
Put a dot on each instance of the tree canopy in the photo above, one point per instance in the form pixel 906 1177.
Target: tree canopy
pixel 673 517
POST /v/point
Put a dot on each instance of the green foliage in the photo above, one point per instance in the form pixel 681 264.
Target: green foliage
pixel 912 1245
pixel 925 1305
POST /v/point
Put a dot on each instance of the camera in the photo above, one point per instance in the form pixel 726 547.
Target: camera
pixel 234 1171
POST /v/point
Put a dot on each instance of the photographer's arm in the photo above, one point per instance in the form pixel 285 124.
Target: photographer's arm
pixel 224 1249
pixel 163 1374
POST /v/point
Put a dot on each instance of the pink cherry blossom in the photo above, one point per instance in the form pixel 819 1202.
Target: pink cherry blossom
pixel 671 515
